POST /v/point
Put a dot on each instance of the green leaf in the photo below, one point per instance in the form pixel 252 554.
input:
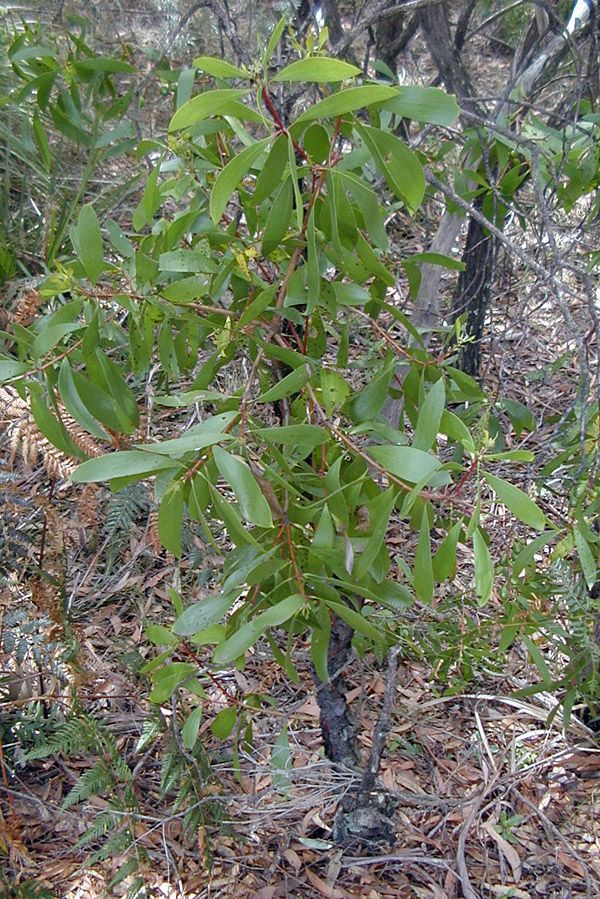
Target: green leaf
pixel 211 430
pixel 356 621
pixel 274 39
pixel 253 505
pixel 10 368
pixel 424 104
pixel 317 70
pixel 189 731
pixel 294 435
pixel 248 634
pixel 423 569
pixel 319 643
pixel 406 462
pixel 292 383
pixel 484 569
pixel 88 242
pixel 278 219
pixel 231 176
pixel 203 614
pixel 438 259
pixel 216 67
pixel 75 405
pixel 380 509
pixel 204 105
pixel 399 165
pixel 444 561
pixel 430 415
pixel 120 465
pixel 224 723
pixel 335 390
pixel 160 636
pixel 586 558
pixel 517 501
pixel 347 101
pixel 367 404
pixel 167 678
pixel 170 518
pixel 540 663
pixel 456 430
pixel 281 763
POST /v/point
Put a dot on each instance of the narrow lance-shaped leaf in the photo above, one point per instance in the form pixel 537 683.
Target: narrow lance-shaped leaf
pixel 170 518
pixel 423 571
pixel 231 176
pixel 248 634
pixel 318 70
pixel 203 106
pixel 216 67
pixel 518 502
pixel 430 414
pixel 484 569
pixel 588 563
pixel 253 504
pixel 347 101
pixel 88 242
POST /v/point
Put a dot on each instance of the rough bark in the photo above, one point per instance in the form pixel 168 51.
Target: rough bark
pixel 337 724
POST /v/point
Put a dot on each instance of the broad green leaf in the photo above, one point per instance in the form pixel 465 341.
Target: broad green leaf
pixel 211 430
pixel 367 404
pixel 229 514
pixel 380 509
pixel 444 561
pixel 167 678
pixel 399 165
pixel 50 336
pixel 204 105
pixel 103 65
pixel 281 763
pixel 456 430
pixel 52 427
pixel 237 473
pixel 347 101
pixel 292 383
pixel 170 518
pixel 105 372
pixel 406 462
pixel 160 636
pixel 335 390
pixel 517 501
pixel 189 731
pixel 423 569
pixel 224 723
pixel 357 621
pixel 438 259
pixel 218 68
pixel 278 219
pixel 424 104
pixel 120 465
pixel 10 368
pixel 75 405
pixel 484 569
pixel 272 171
pixel 203 614
pixel 430 415
pixel 317 70
pixel 294 435
pixel 249 633
pixel 231 176
pixel 586 558
pixel 89 242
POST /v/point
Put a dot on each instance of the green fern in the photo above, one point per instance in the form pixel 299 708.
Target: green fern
pixel 78 735
pixel 96 781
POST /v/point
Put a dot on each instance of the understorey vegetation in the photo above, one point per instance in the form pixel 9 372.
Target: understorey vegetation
pixel 243 354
